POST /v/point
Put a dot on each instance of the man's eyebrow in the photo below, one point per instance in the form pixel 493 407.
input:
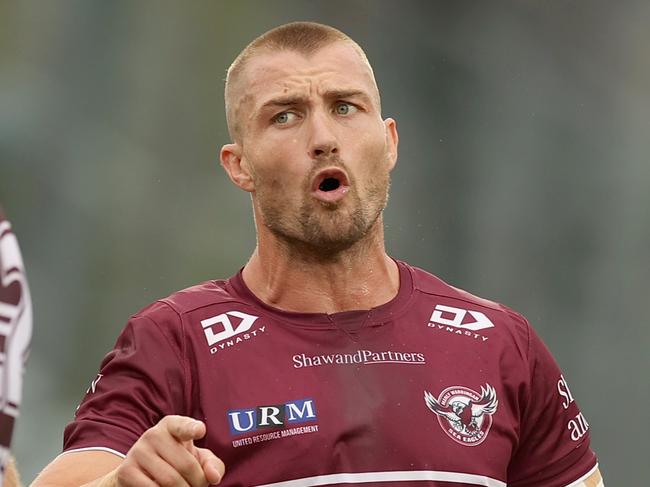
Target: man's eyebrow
pixel 291 100
pixel 283 101
pixel 342 94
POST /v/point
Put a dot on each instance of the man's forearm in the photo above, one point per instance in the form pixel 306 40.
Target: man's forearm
pixel 108 480
pixel 92 468
pixel 594 480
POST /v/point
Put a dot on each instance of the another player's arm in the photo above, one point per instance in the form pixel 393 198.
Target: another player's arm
pixel 12 477
pixel 164 455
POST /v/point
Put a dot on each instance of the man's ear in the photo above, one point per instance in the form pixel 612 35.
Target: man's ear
pixel 392 139
pixel 232 161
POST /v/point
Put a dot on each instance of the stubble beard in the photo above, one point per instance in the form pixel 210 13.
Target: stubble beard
pixel 323 229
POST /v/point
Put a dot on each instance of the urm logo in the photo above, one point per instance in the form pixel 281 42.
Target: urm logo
pixel 455 317
pixel 228 329
pixel 273 416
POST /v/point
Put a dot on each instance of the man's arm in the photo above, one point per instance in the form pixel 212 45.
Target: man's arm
pixel 164 455
pixel 78 468
pixel 594 480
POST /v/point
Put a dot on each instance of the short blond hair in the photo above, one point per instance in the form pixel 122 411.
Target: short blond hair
pixel 305 38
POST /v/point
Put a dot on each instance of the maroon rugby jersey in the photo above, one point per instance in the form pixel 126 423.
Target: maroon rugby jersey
pixel 436 386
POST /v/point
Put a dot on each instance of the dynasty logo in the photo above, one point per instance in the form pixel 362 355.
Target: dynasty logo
pixel 460 321
pixel 230 329
pixel 464 414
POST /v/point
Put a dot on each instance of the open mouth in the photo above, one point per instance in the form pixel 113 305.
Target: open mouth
pixel 330 184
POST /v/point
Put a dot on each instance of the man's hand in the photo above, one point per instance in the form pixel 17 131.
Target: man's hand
pixel 165 455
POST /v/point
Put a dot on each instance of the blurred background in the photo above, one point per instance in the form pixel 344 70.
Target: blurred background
pixel 523 176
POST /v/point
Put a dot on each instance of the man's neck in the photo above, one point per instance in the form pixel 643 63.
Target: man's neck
pixel 288 278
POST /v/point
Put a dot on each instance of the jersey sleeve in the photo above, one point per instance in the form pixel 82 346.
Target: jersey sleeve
pixel 141 380
pixel 553 449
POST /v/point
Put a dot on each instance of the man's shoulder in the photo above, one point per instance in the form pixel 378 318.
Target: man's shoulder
pixel 193 298
pixel 430 284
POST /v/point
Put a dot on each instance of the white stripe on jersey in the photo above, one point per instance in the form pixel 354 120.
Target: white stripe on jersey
pixel 399 476
pixel 95 448
pixel 360 478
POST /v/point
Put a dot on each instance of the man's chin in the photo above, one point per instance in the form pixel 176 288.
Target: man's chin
pixel 330 247
pixel 333 237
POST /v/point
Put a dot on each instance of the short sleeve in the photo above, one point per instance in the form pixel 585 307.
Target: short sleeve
pixel 553 449
pixel 140 381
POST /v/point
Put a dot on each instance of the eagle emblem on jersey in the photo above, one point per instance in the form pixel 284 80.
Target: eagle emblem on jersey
pixel 464 414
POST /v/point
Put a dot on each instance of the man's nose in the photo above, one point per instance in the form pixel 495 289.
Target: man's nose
pixel 323 142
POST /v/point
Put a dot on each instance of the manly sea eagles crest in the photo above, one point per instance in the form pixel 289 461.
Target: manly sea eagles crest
pixel 464 414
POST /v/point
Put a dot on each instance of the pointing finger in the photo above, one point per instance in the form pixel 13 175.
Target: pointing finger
pixel 183 428
pixel 213 467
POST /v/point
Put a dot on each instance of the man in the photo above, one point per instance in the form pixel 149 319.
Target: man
pixel 15 338
pixel 324 361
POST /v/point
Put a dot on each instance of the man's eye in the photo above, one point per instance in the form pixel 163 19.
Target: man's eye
pixel 345 109
pixel 284 118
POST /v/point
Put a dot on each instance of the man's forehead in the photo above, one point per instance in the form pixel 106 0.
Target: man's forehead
pixel 336 66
